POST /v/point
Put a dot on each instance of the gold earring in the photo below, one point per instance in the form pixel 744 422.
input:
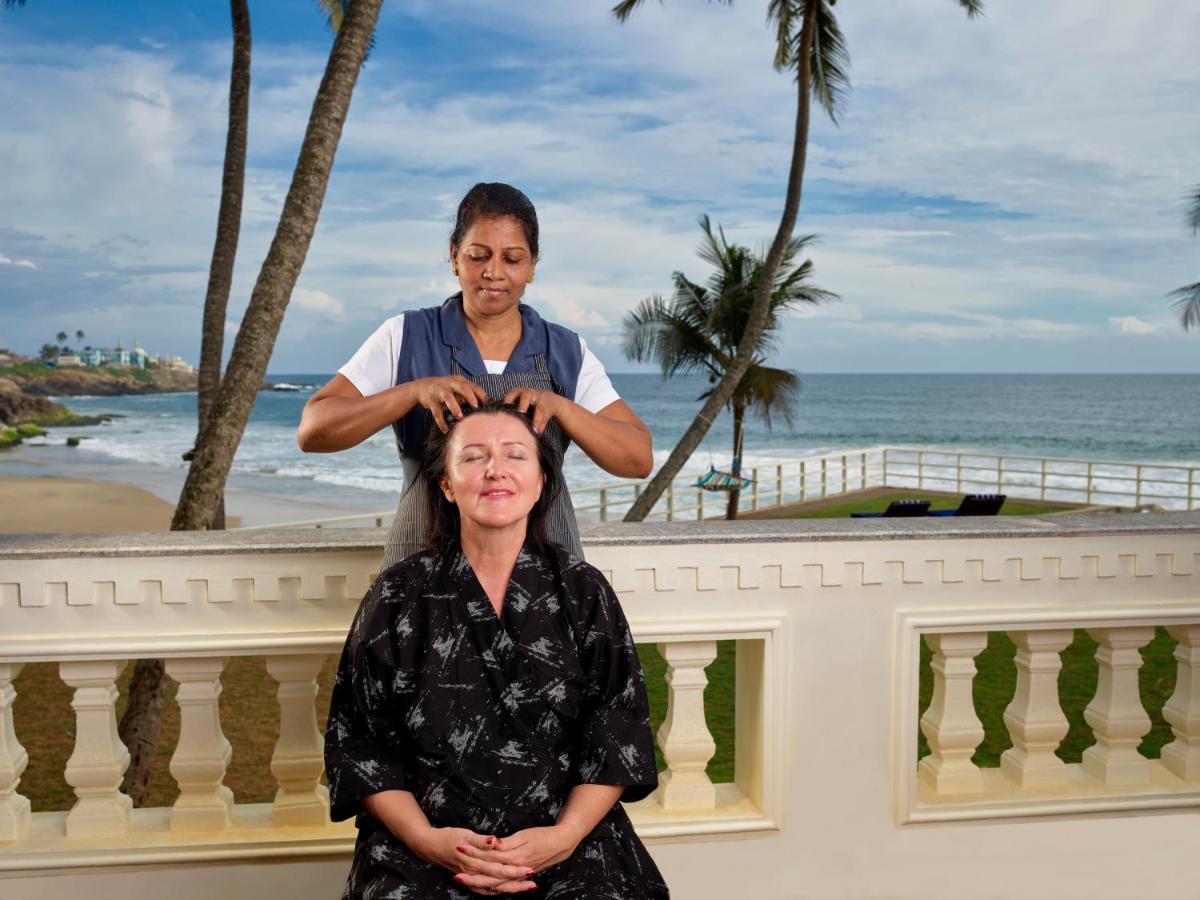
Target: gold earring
pixel 531 278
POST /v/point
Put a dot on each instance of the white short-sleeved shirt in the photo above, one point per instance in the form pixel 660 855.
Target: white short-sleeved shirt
pixel 373 368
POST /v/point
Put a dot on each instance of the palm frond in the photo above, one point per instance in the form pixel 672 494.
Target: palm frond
pixel 334 12
pixel 784 14
pixel 1189 305
pixel 770 392
pixel 1193 212
pixel 655 330
pixel 830 62
pixel 974 8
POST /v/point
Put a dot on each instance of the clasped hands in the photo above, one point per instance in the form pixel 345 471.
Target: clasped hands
pixel 450 393
pixel 490 865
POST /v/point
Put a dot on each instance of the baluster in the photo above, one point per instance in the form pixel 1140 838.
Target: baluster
pixel 684 737
pixel 1116 713
pixel 1182 755
pixel 950 724
pixel 1035 719
pixel 99 759
pixel 202 754
pixel 14 808
pixel 299 754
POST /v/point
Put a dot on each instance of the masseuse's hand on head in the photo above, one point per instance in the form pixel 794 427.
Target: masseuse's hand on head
pixel 545 404
pixel 447 392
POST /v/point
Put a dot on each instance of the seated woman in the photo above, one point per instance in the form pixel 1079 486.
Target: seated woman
pixel 489 710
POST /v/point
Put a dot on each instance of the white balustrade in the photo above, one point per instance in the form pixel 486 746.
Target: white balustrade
pixel 950 724
pixel 686 742
pixel 99 760
pixel 1035 719
pixel 817 770
pixel 202 754
pixel 14 808
pixel 1116 713
pixel 299 753
pixel 1182 710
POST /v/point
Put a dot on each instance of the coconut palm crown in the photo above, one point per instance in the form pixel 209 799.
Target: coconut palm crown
pixel 1188 296
pixel 698 329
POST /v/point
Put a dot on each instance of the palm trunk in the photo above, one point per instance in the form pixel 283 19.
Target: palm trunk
pixel 757 319
pixel 142 720
pixel 227 417
pixel 268 302
pixel 739 418
pixel 229 221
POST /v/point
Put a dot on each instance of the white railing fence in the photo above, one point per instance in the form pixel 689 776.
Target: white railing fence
pixel 1074 481
pixel 1086 482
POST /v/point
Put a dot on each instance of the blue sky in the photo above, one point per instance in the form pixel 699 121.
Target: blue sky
pixel 1003 194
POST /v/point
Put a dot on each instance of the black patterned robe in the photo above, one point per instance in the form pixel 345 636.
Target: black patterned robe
pixel 490 721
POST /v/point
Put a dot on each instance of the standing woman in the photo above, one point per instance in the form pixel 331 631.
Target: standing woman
pixel 481 343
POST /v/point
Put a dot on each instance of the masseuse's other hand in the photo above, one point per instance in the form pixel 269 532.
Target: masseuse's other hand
pixel 456 849
pixel 546 404
pixel 447 392
pixel 532 848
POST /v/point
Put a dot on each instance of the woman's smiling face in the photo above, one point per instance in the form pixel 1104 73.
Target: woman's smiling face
pixel 492 471
pixel 493 264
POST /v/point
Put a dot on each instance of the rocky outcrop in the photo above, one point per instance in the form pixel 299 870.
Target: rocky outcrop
pixel 45 381
pixel 20 408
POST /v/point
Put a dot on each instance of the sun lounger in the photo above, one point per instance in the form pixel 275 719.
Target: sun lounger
pixel 974 505
pixel 897 509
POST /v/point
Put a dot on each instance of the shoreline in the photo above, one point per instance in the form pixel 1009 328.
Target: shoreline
pixel 39 482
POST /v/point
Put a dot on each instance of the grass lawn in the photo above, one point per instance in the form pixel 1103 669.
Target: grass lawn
pixel 997 681
pixel 878 503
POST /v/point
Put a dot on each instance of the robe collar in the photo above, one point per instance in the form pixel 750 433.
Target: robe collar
pixel 455 334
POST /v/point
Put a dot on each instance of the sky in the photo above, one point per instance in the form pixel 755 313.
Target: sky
pixel 1003 194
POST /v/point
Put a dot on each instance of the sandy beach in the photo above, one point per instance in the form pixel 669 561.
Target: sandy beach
pixel 47 489
pixel 53 505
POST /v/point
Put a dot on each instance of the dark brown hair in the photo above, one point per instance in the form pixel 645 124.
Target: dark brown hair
pixel 444 526
pixel 491 200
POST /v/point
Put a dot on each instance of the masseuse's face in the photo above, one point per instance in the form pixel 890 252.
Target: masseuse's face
pixel 493 264
pixel 492 471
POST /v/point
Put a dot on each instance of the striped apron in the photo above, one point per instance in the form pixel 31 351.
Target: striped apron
pixel 407 533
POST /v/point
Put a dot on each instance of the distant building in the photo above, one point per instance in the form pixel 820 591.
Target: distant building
pixel 116 357
pixel 68 359
pixel 175 362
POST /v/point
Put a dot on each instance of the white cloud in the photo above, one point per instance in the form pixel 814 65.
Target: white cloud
pixel 845 312
pixel 154 44
pixel 319 302
pixel 18 263
pixel 1131 325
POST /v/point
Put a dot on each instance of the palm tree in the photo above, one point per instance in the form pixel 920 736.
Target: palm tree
pixel 218 441
pixel 79 335
pixel 809 40
pixel 229 222
pixel 1189 296
pixel 61 337
pixel 699 330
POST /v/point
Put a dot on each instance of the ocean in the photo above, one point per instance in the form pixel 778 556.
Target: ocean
pixel 1151 418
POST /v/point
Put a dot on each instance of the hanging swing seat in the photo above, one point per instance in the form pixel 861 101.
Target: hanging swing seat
pixel 717 480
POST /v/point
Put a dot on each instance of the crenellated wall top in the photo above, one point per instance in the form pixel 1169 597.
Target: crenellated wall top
pixel 612 534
